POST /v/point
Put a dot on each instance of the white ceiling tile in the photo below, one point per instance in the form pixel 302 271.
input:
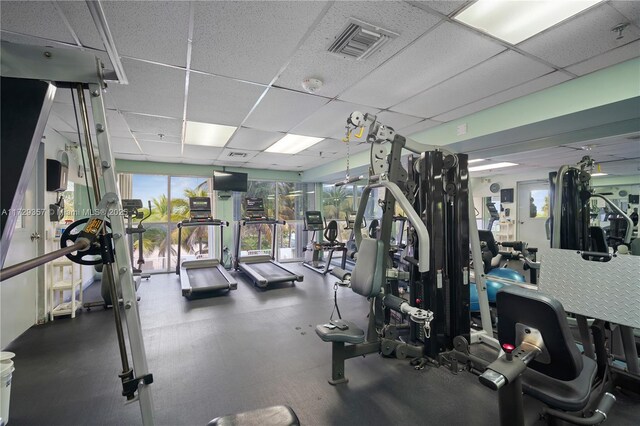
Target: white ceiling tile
pixel 59 124
pixel 153 30
pixel 435 57
pixel 443 6
pixel 133 157
pixel 62 118
pixel 249 40
pixel 219 100
pixel 499 73
pixel 330 120
pixel 63 96
pixel 116 124
pixel 199 161
pixel 154 137
pixel 630 9
pixel 227 155
pixel 162 159
pixel 154 125
pixel 584 37
pixel 152 89
pixel 124 145
pixel 253 139
pixel 609 141
pixel 532 86
pixel 328 146
pixel 82 23
pixel 280 110
pixel 37 18
pixel 397 120
pixel 338 73
pixel 207 153
pixel 418 127
pixel 607 59
pixel 161 149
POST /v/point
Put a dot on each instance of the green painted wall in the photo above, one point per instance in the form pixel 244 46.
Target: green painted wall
pixel 614 84
pixel 178 169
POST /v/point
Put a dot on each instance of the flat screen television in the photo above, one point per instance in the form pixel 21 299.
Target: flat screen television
pixel 229 181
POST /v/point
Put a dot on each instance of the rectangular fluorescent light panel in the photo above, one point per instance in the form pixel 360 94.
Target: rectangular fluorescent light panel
pixel 293 144
pixel 477 160
pixel 206 134
pixel 516 21
pixel 599 174
pixel 491 166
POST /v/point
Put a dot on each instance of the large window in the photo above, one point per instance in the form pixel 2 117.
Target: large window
pixel 194 240
pixel 150 188
pixel 285 201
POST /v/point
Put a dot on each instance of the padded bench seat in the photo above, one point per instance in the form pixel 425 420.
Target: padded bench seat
pixel 352 334
pixel 278 415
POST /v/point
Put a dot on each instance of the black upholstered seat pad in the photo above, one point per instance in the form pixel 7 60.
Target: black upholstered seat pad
pixel 572 395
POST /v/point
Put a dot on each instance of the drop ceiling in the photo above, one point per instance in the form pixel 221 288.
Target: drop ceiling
pixel 242 64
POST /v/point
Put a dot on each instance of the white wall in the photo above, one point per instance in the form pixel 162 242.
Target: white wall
pixel 24 297
pixel 54 143
pixel 480 186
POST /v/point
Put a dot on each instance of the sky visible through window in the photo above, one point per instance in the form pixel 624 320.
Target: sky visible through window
pixel 147 187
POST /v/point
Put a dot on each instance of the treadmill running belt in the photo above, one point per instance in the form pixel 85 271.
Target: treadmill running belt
pixel 272 272
pixel 206 279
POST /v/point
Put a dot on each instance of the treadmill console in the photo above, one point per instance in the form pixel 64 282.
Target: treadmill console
pixel 130 208
pixel 313 221
pixel 200 209
pixel 254 209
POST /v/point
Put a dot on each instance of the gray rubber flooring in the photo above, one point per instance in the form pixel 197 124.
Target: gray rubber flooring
pixel 245 349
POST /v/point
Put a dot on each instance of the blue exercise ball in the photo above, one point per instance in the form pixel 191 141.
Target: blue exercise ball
pixel 493 286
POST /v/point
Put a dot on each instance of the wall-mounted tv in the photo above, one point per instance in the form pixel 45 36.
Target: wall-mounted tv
pixel 229 181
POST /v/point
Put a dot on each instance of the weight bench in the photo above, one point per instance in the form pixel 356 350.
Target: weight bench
pixel 366 280
pixel 279 415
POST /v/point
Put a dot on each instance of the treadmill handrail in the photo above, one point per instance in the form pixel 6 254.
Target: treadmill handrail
pixel 212 222
pixel 245 222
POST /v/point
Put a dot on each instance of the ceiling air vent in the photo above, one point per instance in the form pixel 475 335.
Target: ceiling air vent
pixel 359 40
pixel 237 154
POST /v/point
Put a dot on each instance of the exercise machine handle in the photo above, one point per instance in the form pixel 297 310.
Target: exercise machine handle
pixel 347 181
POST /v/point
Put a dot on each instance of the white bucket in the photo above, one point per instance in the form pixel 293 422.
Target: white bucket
pixel 6 372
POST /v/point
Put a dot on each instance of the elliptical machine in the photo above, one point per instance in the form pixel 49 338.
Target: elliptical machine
pixel 131 208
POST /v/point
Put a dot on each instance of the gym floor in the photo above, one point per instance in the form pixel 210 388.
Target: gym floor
pixel 247 349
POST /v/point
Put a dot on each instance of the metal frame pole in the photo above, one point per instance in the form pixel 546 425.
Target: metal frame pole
pixel 124 270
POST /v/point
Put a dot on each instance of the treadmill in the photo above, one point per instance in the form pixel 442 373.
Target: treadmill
pixel 261 268
pixel 202 275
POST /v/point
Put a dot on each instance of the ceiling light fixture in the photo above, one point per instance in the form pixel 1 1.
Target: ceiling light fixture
pixel 599 174
pixel 516 21
pixel 293 144
pixel 491 166
pixel 477 160
pixel 207 134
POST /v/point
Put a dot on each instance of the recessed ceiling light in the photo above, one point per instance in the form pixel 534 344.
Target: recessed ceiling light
pixel 515 21
pixel 292 144
pixel 491 166
pixel 599 174
pixel 477 160
pixel 207 134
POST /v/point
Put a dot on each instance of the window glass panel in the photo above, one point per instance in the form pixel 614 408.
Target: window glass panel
pixel 155 240
pixel 539 203
pixel 193 240
pixel 337 201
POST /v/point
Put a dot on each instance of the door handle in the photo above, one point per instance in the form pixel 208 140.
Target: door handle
pixel 35 236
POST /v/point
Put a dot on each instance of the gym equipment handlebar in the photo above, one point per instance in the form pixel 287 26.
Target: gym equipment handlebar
pixel 19 268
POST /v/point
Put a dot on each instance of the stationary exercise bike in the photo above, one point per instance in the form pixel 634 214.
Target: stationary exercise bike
pixel 132 210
